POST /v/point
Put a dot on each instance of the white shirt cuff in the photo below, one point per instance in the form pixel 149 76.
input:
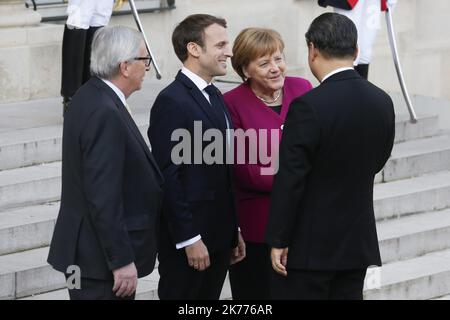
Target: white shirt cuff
pixel 188 242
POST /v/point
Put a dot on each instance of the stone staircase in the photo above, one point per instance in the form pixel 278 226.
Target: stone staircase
pixel 411 198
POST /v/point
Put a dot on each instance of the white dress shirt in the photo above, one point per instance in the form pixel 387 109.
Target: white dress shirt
pixel 336 71
pixel 116 90
pixel 201 84
pixel 120 94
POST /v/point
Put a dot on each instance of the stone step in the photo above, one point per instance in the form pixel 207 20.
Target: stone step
pixel 427 126
pixel 30 185
pixel 40 184
pixel 405 197
pixel 25 273
pixel 417 157
pixel 408 237
pixel 147 290
pixel 26 147
pixel 61 294
pixel 27 185
pixel 420 278
pixel 447 297
pixel 27 228
pixel 414 236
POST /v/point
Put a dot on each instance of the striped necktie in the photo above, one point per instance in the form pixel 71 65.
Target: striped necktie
pixel 216 104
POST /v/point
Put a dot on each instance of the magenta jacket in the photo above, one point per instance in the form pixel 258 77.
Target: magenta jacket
pixel 252 188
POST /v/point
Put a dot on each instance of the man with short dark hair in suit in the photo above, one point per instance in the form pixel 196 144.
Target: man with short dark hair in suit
pixel 111 185
pixel 199 232
pixel 336 138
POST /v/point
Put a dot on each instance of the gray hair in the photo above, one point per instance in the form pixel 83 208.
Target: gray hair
pixel 110 47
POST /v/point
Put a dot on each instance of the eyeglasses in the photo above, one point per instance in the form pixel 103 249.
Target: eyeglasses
pixel 148 60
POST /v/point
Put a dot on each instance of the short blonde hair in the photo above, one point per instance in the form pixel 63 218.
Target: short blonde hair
pixel 253 43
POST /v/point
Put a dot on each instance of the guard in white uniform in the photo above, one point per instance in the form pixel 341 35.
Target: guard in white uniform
pixel 84 18
pixel 366 15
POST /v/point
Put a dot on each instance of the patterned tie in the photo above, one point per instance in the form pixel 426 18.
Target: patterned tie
pixel 216 104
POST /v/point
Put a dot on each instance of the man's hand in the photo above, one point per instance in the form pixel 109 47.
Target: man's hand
pixel 125 280
pixel 238 253
pixel 198 256
pixel 279 260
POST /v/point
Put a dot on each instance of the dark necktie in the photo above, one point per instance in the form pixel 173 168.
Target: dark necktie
pixel 216 105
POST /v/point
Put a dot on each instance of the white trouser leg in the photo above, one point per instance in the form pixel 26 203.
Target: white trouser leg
pixel 366 16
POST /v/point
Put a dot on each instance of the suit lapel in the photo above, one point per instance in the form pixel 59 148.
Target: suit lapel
pixel 206 107
pixel 132 126
pixel 199 98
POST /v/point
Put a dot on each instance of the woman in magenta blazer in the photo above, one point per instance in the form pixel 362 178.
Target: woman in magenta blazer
pixel 261 102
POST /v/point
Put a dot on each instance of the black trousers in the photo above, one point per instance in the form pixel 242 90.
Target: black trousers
pixel 94 289
pixel 318 285
pixel 250 278
pixel 76 59
pixel 179 281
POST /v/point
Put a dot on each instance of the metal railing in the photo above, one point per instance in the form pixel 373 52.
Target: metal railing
pixel 54 10
pixel 44 3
